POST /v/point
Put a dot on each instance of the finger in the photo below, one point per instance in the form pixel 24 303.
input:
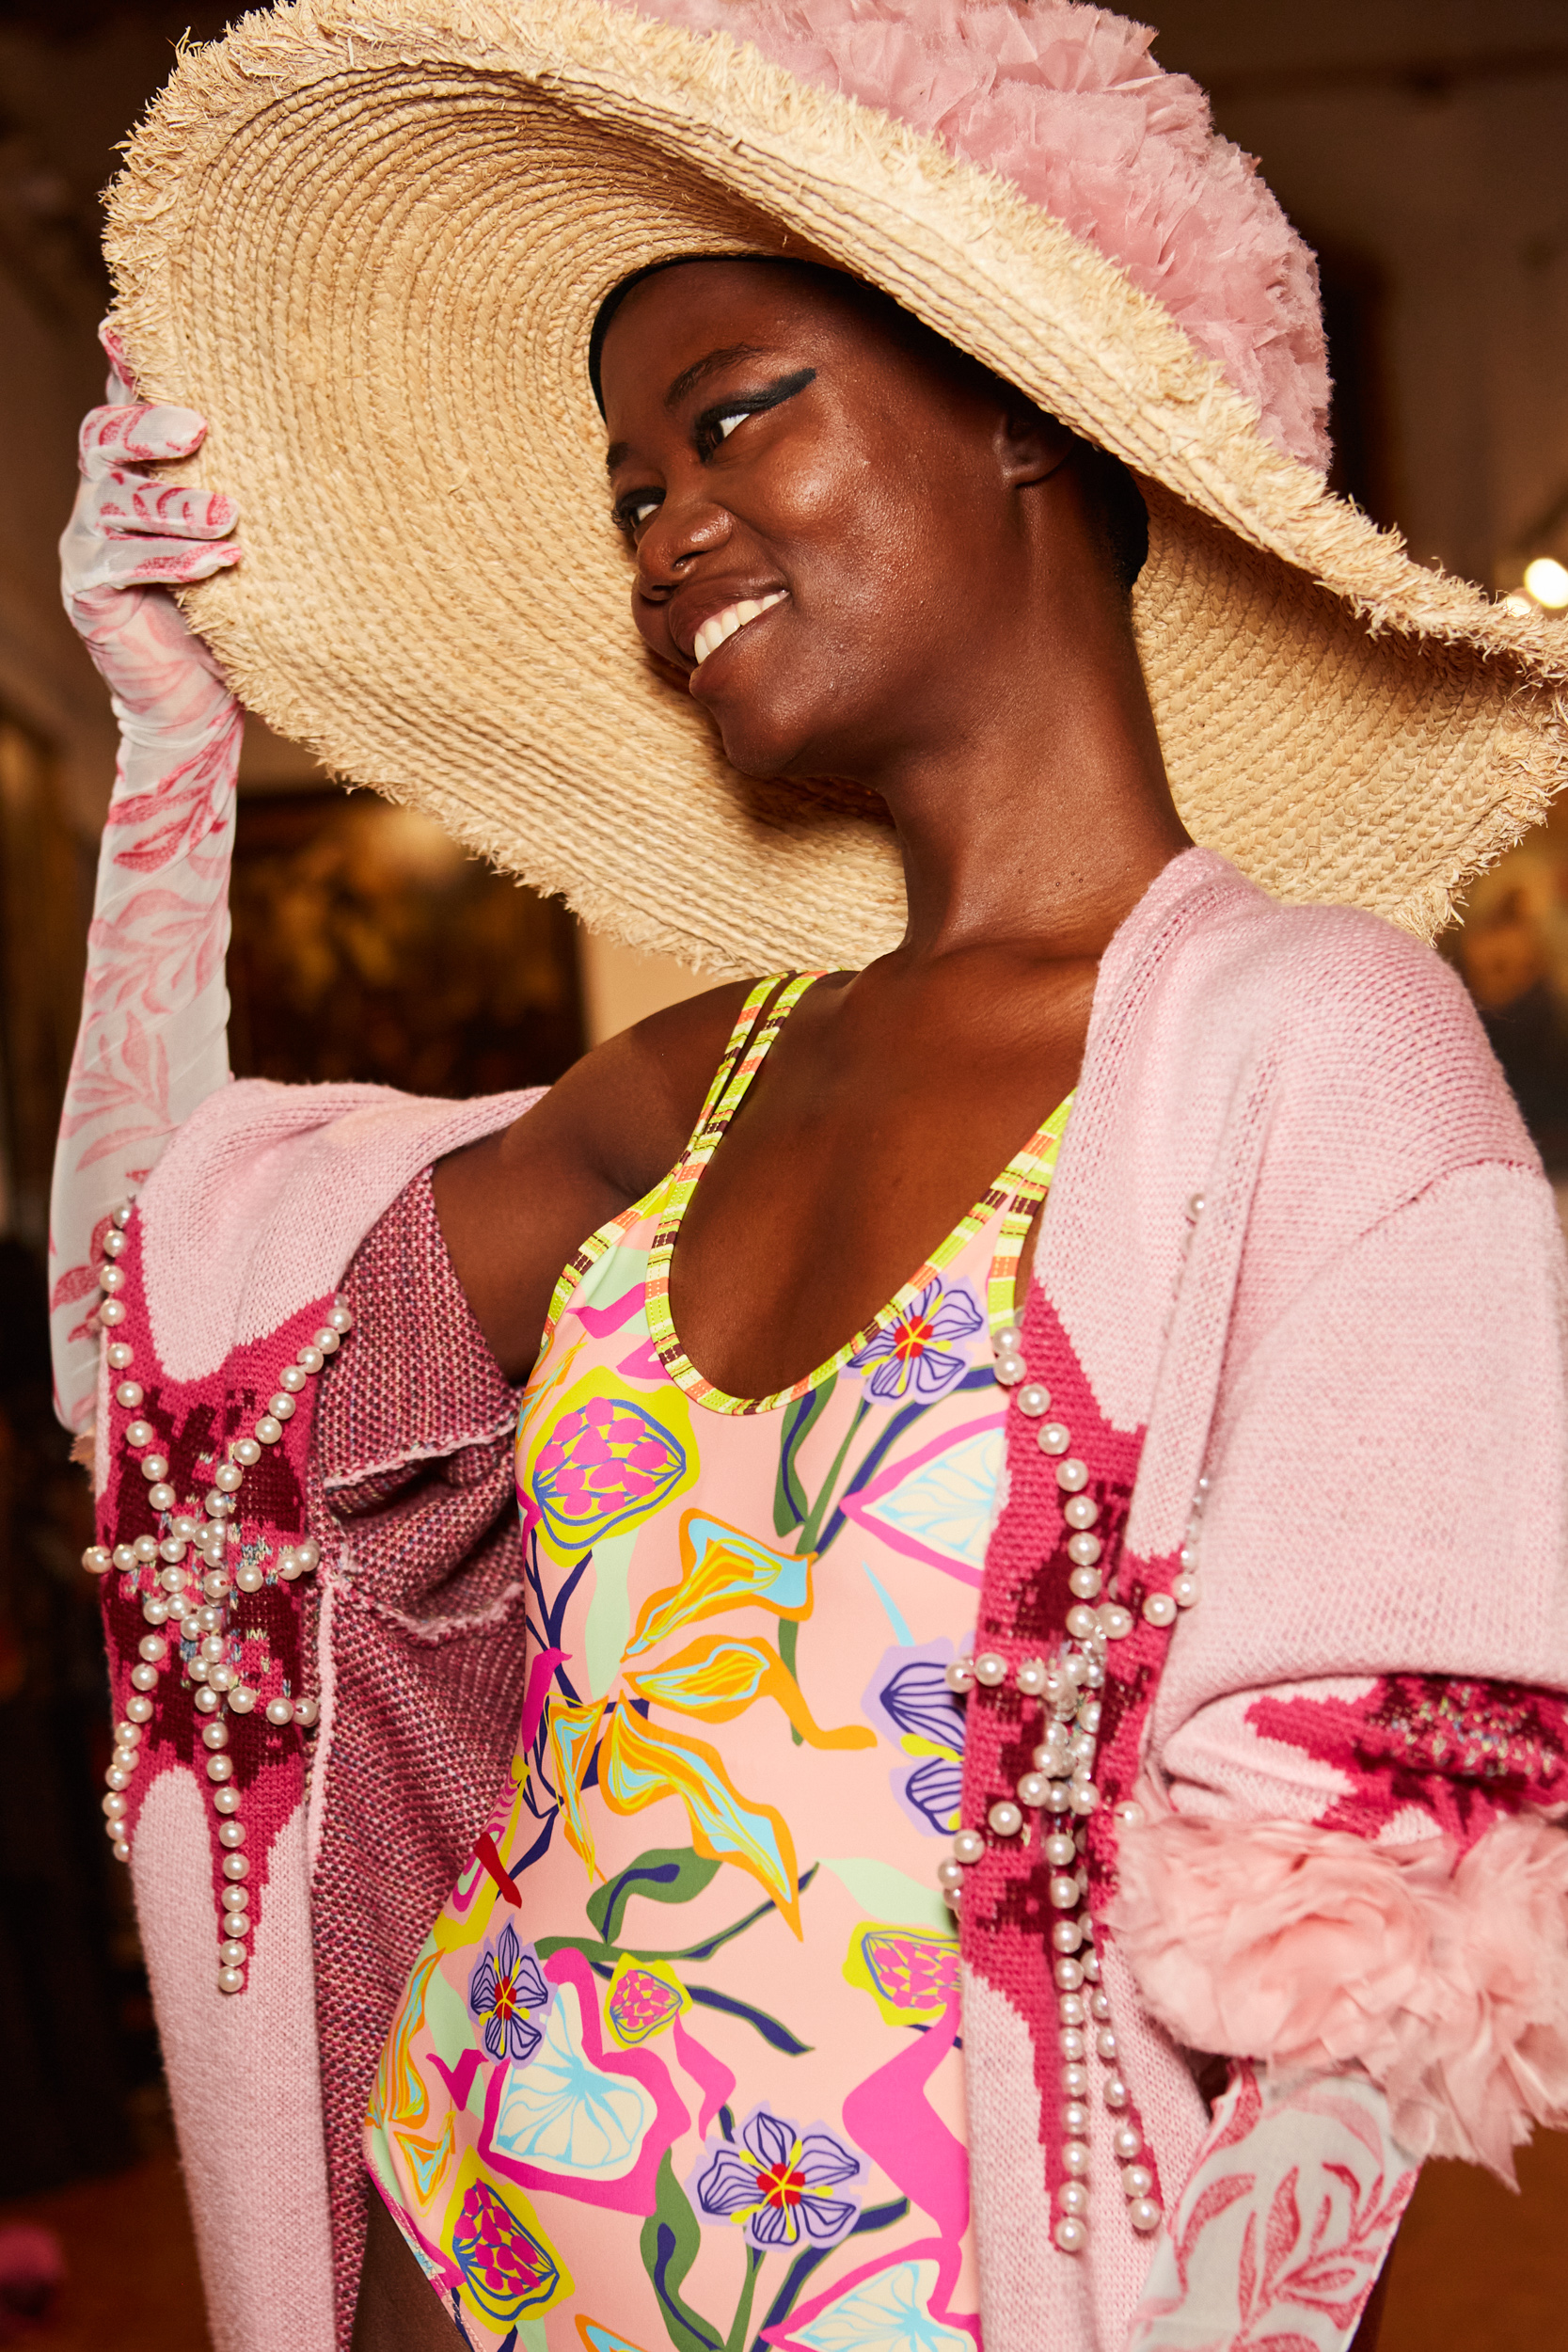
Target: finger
pixel 122 379
pixel 124 502
pixel 153 564
pixel 141 433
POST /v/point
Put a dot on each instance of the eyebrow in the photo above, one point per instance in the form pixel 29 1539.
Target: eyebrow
pixel 689 380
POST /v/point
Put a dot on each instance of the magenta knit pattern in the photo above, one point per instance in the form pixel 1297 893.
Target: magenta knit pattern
pixel 410 1494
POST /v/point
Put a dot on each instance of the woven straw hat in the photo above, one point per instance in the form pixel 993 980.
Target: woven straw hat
pixel 368 242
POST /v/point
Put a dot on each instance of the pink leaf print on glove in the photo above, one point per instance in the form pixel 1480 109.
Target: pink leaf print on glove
pixel 153 1042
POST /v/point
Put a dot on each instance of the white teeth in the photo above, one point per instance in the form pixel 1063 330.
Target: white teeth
pixel 722 625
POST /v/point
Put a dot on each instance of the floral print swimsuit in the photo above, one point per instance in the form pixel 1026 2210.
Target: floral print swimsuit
pixel 679 2063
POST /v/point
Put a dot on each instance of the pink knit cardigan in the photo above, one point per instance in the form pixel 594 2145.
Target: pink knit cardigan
pixel 1300 1269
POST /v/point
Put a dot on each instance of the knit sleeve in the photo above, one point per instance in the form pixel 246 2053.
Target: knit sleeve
pixel 1348 1858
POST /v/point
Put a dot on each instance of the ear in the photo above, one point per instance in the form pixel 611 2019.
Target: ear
pixel 1031 446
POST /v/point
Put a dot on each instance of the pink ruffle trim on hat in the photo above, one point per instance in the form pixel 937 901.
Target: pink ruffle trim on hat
pixel 1445 1981
pixel 1065 103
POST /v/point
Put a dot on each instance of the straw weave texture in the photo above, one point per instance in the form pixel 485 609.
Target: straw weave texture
pixel 368 242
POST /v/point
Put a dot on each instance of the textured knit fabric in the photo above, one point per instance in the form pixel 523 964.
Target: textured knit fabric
pixel 738 1748
pixel 1351 1358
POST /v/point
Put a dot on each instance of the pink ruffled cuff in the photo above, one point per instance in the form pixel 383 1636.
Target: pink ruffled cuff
pixel 1445 1980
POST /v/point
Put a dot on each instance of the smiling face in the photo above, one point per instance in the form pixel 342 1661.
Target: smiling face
pixel 832 528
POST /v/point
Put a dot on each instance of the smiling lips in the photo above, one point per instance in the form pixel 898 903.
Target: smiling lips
pixel 722 627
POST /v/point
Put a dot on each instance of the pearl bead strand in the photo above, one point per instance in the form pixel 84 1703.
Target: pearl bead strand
pixel 201 1619
pixel 1061 1789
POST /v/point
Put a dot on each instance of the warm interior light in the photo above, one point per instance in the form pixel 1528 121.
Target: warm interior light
pixel 1547 583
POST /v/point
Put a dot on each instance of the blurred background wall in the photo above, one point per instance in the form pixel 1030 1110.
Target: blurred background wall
pixel 1422 147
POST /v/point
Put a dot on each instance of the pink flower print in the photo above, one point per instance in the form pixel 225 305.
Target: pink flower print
pixel 502 1990
pixel 911 1972
pixel 640 2003
pixel 510 2271
pixel 774 2182
pixel 917 1347
pixel 604 1463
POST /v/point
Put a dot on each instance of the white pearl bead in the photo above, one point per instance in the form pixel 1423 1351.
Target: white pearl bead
pixel 959 1674
pixel 138 1432
pixel 219 1767
pixel 1105 2043
pixel 1072 2044
pixel 115 1806
pixel 154 1467
pixel 1076 2118
pixel 1073 2197
pixel 1137 2180
pixel 235 1867
pixel 340 1319
pixel 122 1214
pixel 146 1548
pixel 952 1897
pixel 1055 1437
pixel 173 1550
pixel 1072 1474
pixel 288 1564
pixel 216 1505
pixel 234 1899
pixel 117 1776
pixel 121 1356
pixel 128 1735
pixel 1185 1591
pixel 280 1711
pixel 226 1801
pixel 228 1478
pixel 950 1873
pixel 1075 2080
pixel 1117 2093
pixel 1129 1812
pixel 207 1702
pixel 139 1709
pixel 230 1834
pixel 230 1980
pixel 306 1712
pixel 221 1676
pixel 236 1923
pixel 1086 1583
pixel 1030 1677
pixel 1088 1716
pixel 111 1278
pixel 97 1560
pixel 1143 2216
pixel 245 1450
pixel 232 1954
pixel 1084 1549
pixel 249 1577
pixel 1116 1623
pixel 122 1851
pixel 113 1241
pixel 162 1497
pixel 309 1359
pixel 968 1846
pixel 113 1310
pixel 1008 1337
pixel 292 1379
pixel 144 1677
pixel 152 1646
pixel 214 1735
pixel 216 1583
pixel 328 1340
pixel 1064 1894
pixel 1032 1788
pixel 1188 1555
pixel 213 1646
pixel 281 1408
pixel 1003 1817
pixel 129 1393
pixel 1091 1966
pixel 1060 1851
pixel 1034 1399
pixel 174 1579
pixel 1099 2004
pixel 241 1699
pixel 1075 2158
pixel 269 1429
pixel 124 1558
pixel 1081 1622
pixel 1082 1796
pixel 990 1669
pixel 1072 2233
pixel 1070 2008
pixel 1160 1609
pixel 1128 2142
pixel 1067 1935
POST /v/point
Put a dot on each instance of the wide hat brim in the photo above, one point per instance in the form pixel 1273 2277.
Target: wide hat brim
pixel 369 244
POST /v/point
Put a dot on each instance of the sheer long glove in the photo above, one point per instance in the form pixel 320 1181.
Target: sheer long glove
pixel 1283 2224
pixel 153 1038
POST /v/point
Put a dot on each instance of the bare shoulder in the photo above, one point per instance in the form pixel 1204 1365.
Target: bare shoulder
pixel 516 1207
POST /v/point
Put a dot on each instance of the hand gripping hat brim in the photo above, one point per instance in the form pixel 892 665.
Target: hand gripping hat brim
pixel 369 244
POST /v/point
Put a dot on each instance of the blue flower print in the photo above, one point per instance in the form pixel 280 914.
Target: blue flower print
pixel 916 1349
pixel 502 1990
pixel 774 2183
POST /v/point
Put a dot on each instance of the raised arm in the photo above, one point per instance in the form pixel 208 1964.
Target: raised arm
pixel 153 1038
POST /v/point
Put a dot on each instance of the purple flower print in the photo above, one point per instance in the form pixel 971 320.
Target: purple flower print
pixel 909 1694
pixel 917 1348
pixel 502 1990
pixel 774 2183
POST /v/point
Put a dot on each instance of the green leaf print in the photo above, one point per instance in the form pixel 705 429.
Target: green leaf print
pixel 665 1874
pixel 670 2241
pixel 790 1502
pixel 735 2340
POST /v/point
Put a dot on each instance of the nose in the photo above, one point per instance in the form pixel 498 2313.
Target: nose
pixel 682 530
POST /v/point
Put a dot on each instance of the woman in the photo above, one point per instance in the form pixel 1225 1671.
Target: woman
pixel 809 1347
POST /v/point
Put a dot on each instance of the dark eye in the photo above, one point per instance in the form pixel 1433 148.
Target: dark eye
pixel 633 511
